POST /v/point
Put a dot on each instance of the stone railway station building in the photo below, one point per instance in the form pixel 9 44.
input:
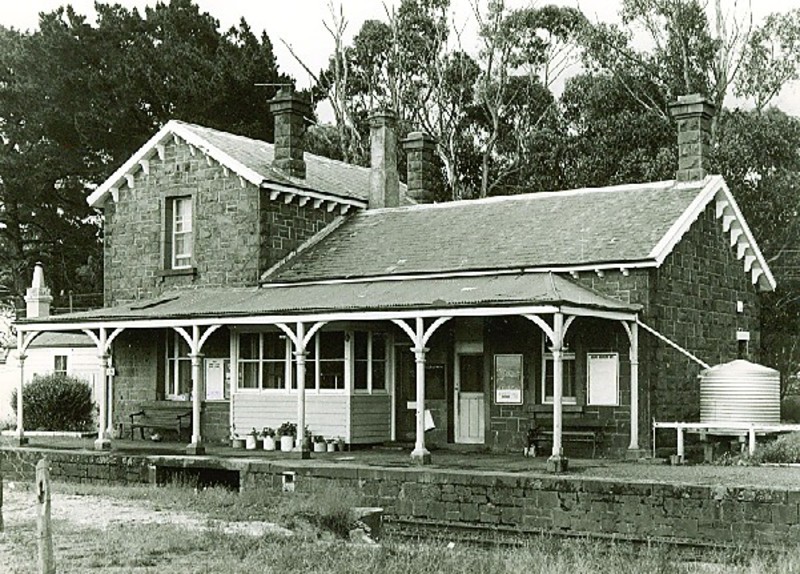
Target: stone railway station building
pixel 258 284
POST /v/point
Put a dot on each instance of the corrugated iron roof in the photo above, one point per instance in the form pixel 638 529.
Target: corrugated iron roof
pixel 524 289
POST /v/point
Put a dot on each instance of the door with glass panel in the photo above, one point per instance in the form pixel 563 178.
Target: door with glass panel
pixel 469 398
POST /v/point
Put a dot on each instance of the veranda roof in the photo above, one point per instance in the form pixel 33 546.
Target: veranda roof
pixel 449 293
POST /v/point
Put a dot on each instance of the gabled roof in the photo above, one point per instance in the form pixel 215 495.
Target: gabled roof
pixel 617 227
pixel 251 160
pixel 446 295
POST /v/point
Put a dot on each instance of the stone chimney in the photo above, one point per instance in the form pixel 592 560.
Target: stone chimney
pixel 693 114
pixel 423 174
pixel 38 297
pixel 384 184
pixel 289 111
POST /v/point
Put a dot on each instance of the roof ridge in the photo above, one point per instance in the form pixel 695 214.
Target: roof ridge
pixel 622 188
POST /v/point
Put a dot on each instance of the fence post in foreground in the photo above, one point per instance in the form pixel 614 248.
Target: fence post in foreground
pixel 1 498
pixel 44 533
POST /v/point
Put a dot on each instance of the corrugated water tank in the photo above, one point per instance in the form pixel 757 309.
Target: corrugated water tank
pixel 740 391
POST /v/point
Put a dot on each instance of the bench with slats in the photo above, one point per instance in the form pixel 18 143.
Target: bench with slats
pixel 572 429
pixel 161 416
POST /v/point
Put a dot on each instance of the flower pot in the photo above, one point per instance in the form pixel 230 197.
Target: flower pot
pixel 251 442
pixel 331 447
pixel 237 443
pixel 320 447
pixel 269 443
pixel 287 443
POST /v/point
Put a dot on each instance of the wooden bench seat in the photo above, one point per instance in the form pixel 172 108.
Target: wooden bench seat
pixel 162 416
pixel 572 429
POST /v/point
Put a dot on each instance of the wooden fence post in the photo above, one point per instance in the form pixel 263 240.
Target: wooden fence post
pixel 45 535
pixel 2 527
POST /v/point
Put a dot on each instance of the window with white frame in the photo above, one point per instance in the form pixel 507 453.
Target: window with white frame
pixel 369 361
pixel 264 361
pixel 181 230
pixel 178 384
pixel 60 364
pixel 568 396
pixel 330 360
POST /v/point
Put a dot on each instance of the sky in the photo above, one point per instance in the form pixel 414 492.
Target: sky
pixel 300 24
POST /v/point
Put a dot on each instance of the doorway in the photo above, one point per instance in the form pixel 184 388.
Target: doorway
pixel 469 396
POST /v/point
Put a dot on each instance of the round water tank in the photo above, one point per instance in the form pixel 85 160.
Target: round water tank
pixel 741 392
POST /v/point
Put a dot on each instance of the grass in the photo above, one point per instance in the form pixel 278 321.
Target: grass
pixel 318 520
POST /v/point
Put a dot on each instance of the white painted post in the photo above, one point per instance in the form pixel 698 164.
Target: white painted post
pixel 558 385
pixel 196 447
pixel 21 356
pixel 102 442
pixel 420 454
pixel 110 397
pixel 752 440
pixel 634 357
pixel 679 429
pixel 300 358
pixel 557 462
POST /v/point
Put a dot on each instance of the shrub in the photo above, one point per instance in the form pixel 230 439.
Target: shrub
pixel 56 402
pixel 785 449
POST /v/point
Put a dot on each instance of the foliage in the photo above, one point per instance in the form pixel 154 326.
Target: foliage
pixel 288 429
pixel 78 98
pixel 56 402
pixel 329 508
pixel 268 431
pixel 759 156
pixel 784 449
pixel 772 58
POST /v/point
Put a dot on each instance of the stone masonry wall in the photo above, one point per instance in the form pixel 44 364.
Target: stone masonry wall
pixel 694 304
pixel 238 231
pixel 225 228
pixel 136 372
pixel 515 503
pixel 285 227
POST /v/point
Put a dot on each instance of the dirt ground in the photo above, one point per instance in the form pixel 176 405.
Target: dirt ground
pixel 88 512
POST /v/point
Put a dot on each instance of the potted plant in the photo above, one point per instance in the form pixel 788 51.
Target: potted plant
pixel 287 431
pixel 340 444
pixel 268 435
pixel 319 443
pixel 331 445
pixel 236 442
pixel 251 440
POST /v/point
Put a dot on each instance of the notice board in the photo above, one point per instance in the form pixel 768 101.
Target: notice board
pixel 603 378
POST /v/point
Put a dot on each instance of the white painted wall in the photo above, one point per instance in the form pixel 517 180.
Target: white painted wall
pixel 81 363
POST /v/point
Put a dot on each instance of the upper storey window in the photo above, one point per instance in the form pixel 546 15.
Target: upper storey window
pixel 181 232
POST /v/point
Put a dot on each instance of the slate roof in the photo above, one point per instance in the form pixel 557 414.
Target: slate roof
pixel 322 174
pixel 252 160
pixel 538 230
pixel 529 289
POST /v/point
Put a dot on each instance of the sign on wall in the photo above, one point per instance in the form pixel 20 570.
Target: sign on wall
pixel 603 378
pixel 508 379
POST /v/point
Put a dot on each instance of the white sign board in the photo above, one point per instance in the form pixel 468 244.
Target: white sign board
pixel 215 379
pixel 603 375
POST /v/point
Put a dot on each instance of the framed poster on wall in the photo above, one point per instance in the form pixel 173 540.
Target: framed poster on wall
pixel 508 379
